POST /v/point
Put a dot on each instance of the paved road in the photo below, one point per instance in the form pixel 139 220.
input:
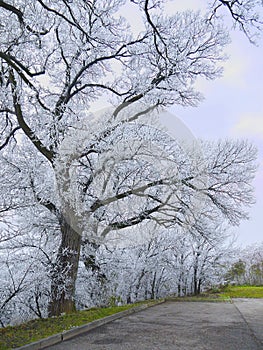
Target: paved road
pixel 180 326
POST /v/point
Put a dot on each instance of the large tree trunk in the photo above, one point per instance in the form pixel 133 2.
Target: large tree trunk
pixel 64 273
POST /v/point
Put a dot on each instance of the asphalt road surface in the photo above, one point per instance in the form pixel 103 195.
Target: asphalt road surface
pixel 180 326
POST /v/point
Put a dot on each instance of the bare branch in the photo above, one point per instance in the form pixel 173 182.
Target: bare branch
pixel 135 191
pixel 18 66
pixel 20 17
pixel 22 123
pixel 12 133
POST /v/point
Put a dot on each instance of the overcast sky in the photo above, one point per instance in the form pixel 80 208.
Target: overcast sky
pixel 233 108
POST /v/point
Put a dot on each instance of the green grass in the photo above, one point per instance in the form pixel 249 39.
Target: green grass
pixel 12 337
pixel 242 291
pixel 211 297
pixel 225 294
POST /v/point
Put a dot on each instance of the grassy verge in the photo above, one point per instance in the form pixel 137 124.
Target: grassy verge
pixel 242 292
pixel 225 294
pixel 12 337
pixel 211 297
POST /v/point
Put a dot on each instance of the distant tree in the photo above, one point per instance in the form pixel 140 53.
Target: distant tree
pixel 237 272
pixel 256 273
pixel 247 265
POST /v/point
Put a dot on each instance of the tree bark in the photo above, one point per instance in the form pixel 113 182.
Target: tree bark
pixel 65 271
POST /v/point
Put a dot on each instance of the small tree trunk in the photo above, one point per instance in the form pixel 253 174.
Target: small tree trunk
pixel 138 285
pixel 153 286
pixel 199 286
pixel 195 282
pixel 65 271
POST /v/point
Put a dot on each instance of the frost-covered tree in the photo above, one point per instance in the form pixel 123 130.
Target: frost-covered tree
pixel 56 59
pixel 174 261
